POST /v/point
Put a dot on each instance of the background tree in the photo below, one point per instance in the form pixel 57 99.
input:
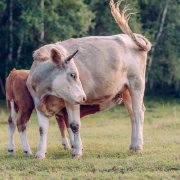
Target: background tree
pixel 164 75
pixel 104 23
pixel 26 25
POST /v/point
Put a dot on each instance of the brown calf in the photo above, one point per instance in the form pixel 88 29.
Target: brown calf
pixel 20 101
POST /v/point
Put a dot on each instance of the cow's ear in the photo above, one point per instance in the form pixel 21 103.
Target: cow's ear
pixel 56 56
pixel 68 59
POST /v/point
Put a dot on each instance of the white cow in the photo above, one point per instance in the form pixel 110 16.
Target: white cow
pixel 103 67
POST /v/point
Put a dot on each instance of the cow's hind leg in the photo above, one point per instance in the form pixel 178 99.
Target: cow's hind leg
pixel 22 119
pixel 137 94
pixel 128 104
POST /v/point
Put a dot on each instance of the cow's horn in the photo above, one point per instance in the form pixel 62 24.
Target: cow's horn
pixel 67 60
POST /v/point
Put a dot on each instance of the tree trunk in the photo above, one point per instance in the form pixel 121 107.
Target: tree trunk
pixel 2 87
pixel 19 49
pixel 10 49
pixel 10 54
pixel 157 38
pixel 42 23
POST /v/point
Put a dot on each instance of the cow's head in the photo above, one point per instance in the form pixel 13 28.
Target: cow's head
pixel 54 73
pixel 66 83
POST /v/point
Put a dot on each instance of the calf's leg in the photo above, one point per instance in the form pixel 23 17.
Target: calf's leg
pixel 22 119
pixel 69 130
pixel 63 123
pixel 62 126
pixel 11 127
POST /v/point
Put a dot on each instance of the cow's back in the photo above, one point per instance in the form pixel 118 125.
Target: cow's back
pixel 104 63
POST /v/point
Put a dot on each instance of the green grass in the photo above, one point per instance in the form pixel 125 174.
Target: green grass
pixel 106 137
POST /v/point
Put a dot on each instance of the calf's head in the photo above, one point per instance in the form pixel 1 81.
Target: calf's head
pixel 50 105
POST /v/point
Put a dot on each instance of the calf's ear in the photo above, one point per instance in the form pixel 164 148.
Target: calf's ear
pixel 56 57
pixel 42 106
pixel 68 59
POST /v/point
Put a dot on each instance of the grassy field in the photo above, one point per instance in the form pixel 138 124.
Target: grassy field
pixel 106 137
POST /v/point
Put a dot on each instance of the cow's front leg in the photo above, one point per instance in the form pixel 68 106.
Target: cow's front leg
pixel 43 131
pixel 75 124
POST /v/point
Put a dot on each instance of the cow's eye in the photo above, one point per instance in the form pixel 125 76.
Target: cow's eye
pixel 73 75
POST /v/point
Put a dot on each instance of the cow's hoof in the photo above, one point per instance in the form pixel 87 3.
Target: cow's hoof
pixel 76 156
pixel 66 147
pixel 65 144
pixel 40 155
pixel 136 149
pixel 139 150
pixel 28 153
pixel 10 152
pixel 40 158
pixel 77 153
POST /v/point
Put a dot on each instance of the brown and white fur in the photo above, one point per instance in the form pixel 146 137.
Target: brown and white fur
pixel 20 106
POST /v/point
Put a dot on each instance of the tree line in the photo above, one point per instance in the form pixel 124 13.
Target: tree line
pixel 27 25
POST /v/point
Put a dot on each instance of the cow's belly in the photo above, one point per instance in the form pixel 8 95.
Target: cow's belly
pixel 102 83
pixel 105 91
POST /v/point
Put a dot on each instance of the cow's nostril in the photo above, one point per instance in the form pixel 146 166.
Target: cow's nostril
pixel 84 99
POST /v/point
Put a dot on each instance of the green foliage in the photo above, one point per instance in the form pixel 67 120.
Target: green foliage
pixel 104 22
pixel 62 20
pixel 2 6
pixel 166 64
pixel 67 18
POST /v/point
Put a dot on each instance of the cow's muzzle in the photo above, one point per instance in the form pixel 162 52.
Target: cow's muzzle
pixel 81 100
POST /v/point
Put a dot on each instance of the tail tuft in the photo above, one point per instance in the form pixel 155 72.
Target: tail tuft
pixel 122 19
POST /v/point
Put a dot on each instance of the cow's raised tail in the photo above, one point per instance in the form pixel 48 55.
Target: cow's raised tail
pixel 122 20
